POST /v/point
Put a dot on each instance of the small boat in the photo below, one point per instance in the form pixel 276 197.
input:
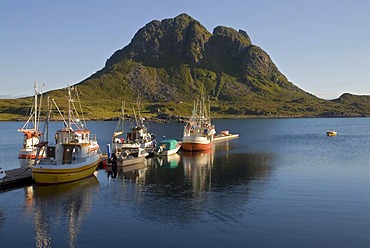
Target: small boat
pixel 167 147
pixel 75 154
pixel 198 132
pixel 127 157
pixel 132 156
pixel 331 133
pixel 31 135
pixel 2 173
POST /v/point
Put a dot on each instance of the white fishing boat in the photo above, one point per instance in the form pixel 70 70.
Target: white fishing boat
pixel 120 139
pixel 75 154
pixel 198 131
pixel 167 147
pixel 138 136
pixel 31 134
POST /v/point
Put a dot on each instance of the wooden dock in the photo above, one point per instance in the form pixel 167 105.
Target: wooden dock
pixel 222 137
pixel 16 178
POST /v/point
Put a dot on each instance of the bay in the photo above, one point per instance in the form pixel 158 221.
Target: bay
pixel 282 183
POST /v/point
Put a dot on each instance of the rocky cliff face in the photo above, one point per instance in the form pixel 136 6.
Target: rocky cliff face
pixel 182 46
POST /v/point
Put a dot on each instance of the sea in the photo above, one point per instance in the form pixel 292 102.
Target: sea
pixel 282 183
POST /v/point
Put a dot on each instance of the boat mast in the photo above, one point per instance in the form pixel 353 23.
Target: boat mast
pixel 69 88
pixel 209 110
pixel 39 107
pixel 137 123
pixel 46 131
pixel 120 128
pixel 35 122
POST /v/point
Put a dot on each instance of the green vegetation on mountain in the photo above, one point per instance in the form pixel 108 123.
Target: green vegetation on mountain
pixel 170 63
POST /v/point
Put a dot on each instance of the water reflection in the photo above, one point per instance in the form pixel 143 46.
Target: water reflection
pixel 230 170
pixel 198 168
pixel 203 185
pixel 171 161
pixel 56 204
pixel 135 172
pixel 2 219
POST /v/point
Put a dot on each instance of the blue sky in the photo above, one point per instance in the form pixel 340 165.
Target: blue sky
pixel 323 47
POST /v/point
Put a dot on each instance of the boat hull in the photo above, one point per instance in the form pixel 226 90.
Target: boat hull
pixel 63 173
pixel 167 152
pixel 191 146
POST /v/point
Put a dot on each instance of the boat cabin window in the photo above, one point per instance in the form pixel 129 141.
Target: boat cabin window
pixel 50 152
pixel 67 154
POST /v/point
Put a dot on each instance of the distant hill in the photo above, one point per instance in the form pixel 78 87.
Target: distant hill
pixel 169 63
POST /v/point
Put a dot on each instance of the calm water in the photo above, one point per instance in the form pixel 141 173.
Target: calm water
pixel 283 183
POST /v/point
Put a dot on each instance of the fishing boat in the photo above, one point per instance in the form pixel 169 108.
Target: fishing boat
pixel 331 133
pixel 198 131
pixel 139 136
pixel 31 134
pixel 118 138
pixel 167 147
pixel 75 154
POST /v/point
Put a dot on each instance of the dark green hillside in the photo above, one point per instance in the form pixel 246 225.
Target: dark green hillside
pixel 170 63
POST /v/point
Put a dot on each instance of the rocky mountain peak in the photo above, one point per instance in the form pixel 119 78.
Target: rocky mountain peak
pixel 232 34
pixel 173 40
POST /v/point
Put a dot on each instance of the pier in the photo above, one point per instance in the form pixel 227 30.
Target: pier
pixel 224 137
pixel 16 178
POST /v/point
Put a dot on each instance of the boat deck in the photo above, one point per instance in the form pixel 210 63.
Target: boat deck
pixel 16 178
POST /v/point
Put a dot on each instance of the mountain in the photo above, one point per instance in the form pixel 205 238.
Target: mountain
pixel 171 62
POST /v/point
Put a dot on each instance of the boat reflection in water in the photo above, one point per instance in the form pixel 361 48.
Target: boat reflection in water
pixel 134 172
pixel 201 187
pixel 60 206
pixel 171 161
pixel 198 168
